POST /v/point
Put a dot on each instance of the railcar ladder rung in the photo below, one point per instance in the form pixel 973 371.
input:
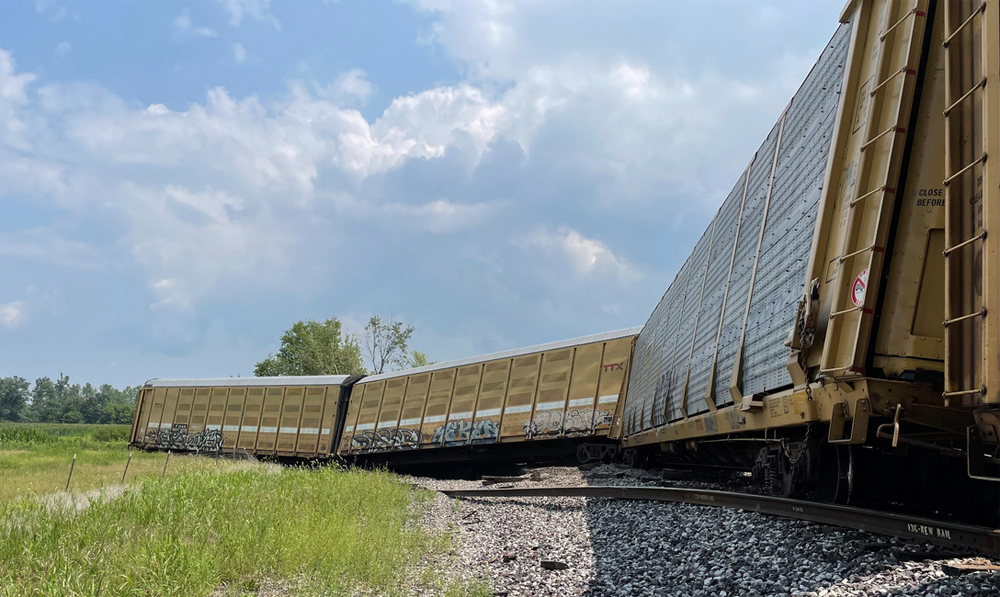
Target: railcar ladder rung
pixel 978 11
pixel 982 85
pixel 981 390
pixel 980 313
pixel 981 160
pixel 980 236
pixel 906 69
pixel 845 311
pixel 875 248
pixel 889 190
pixel 913 11
pixel 894 129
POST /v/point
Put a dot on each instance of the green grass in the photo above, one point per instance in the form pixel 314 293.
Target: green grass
pixel 35 458
pixel 209 527
pixel 327 530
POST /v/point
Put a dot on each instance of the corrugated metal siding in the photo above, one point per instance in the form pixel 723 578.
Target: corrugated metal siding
pixel 668 340
pixel 703 357
pixel 791 219
pixel 746 252
pixel 602 337
pixel 688 315
pixel 686 325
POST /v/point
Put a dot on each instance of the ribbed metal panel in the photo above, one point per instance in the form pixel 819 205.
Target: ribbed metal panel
pixel 716 282
pixel 746 251
pixel 668 341
pixel 700 306
pixel 791 219
pixel 686 326
pixel 517 352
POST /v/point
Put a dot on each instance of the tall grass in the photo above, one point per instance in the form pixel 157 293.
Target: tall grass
pixel 26 436
pixel 35 458
pixel 328 530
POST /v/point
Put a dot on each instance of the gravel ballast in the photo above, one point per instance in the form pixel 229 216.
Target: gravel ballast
pixel 581 546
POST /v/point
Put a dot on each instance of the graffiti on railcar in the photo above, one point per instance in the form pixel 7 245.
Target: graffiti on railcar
pixel 452 433
pixel 548 422
pixel 485 430
pixel 177 438
pixel 379 440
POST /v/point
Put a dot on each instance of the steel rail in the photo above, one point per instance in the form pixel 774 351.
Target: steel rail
pixel 983 540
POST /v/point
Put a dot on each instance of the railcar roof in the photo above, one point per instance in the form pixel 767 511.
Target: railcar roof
pixel 238 382
pixel 506 354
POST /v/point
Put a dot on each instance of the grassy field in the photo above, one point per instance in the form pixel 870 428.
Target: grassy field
pixel 35 458
pixel 210 527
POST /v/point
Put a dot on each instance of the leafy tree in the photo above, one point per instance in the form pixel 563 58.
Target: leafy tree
pixel 13 398
pixel 314 348
pixel 385 343
pixel 46 405
pixel 63 402
pixel 416 359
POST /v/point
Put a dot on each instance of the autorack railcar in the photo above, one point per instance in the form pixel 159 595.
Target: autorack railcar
pixel 536 403
pixel 837 327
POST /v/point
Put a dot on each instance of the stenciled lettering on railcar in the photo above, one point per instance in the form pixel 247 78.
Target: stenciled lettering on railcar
pixel 614 367
pixel 930 198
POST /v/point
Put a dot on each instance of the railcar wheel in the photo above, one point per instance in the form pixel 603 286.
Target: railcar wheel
pixel 836 474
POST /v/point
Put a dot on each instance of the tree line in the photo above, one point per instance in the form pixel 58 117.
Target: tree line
pixel 59 401
pixel 307 348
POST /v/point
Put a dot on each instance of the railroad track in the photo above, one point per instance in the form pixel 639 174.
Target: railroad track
pixel 983 540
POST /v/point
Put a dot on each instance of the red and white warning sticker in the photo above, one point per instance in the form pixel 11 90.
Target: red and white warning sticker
pixel 859 288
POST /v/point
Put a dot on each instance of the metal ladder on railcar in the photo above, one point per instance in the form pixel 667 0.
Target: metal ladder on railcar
pixel 967 360
pixel 854 322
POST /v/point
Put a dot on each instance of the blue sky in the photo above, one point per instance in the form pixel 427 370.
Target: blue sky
pixel 181 181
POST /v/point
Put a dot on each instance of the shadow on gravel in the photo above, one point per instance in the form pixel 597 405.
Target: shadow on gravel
pixel 683 550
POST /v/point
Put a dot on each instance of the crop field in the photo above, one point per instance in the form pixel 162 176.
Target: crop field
pixel 208 527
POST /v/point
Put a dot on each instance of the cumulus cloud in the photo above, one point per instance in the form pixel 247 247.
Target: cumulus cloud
pixel 350 88
pixel 587 257
pixel 11 314
pixel 183 28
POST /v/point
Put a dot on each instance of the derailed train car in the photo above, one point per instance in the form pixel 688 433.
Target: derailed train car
pixel 540 401
pixel 280 416
pixel 492 407
pixel 837 327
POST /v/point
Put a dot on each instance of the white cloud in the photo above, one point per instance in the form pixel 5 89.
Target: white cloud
pixel 587 257
pixel 350 88
pixel 184 29
pixel 62 49
pixel 422 126
pixel 239 53
pixel 259 10
pixel 11 314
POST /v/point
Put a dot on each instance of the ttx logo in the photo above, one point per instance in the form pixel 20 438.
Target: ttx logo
pixel 614 367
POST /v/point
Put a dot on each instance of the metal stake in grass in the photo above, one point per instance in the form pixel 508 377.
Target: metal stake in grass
pixel 127 462
pixel 164 473
pixel 71 467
